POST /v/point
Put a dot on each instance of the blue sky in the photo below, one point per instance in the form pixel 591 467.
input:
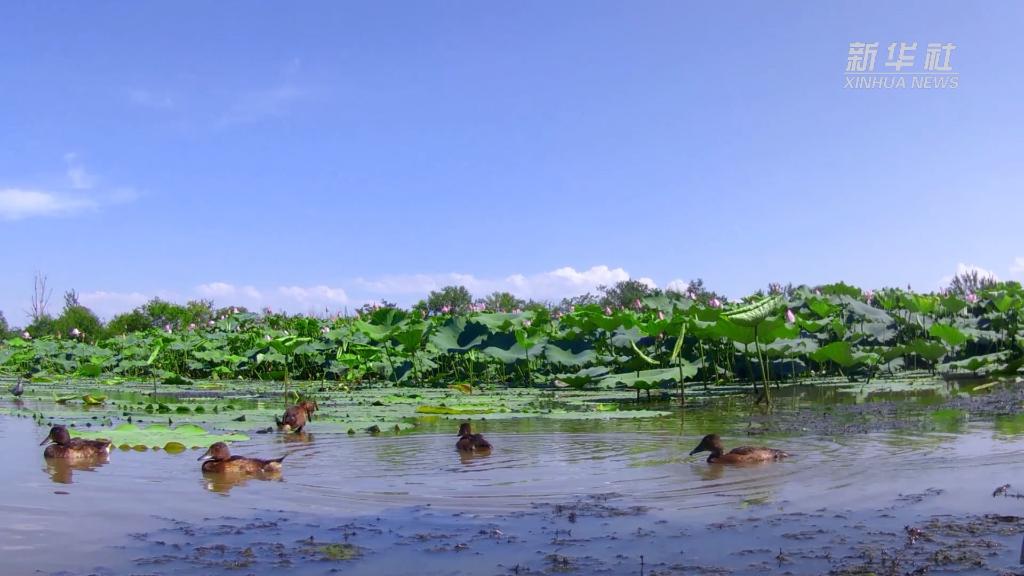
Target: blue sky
pixel 322 155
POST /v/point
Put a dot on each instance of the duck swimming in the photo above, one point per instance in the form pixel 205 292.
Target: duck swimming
pixel 295 417
pixel 219 459
pixel 62 445
pixel 18 389
pixel 469 442
pixel 742 455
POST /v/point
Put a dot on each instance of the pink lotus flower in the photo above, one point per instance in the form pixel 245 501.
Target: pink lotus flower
pixel 691 295
pixel 267 337
pixel 75 332
pixel 167 328
pixel 661 315
pixel 790 317
pixel 607 310
pixel 817 291
pixel 446 309
pixel 869 296
pixel 715 303
pixel 325 329
pixel 527 323
pixel 210 323
pixel 192 326
pixel 972 298
pixel 637 304
pixel 234 310
pixel 26 335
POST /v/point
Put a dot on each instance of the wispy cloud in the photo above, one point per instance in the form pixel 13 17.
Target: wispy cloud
pixel 150 99
pixel 320 295
pixel 293 298
pixel 261 104
pixel 78 176
pixel 553 285
pixel 271 101
pixel 107 304
pixel 405 289
pixel 18 204
pixel 226 290
pixel 1017 268
pixel 81 194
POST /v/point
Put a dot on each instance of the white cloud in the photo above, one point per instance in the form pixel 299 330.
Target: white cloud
pixel 962 268
pixel 17 203
pixel 678 285
pixel 314 295
pixel 78 176
pixel 292 298
pixel 225 290
pixel 1017 268
pixel 21 203
pixel 553 285
pixel 107 304
pixel 405 289
pixel 650 283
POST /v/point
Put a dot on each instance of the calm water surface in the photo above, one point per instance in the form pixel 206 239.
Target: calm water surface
pixel 60 519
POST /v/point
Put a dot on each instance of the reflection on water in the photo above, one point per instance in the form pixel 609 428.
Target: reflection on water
pixel 224 482
pixel 296 438
pixel 468 458
pixel 61 470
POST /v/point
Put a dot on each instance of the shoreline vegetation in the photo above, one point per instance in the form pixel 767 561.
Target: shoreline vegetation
pixel 632 337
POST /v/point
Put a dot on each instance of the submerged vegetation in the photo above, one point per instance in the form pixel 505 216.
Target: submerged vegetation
pixel 657 340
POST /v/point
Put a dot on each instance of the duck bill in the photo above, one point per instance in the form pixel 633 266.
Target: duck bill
pixel 45 441
pixel 697 450
pixel 205 456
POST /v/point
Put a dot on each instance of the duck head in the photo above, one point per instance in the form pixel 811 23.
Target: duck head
pixel 216 451
pixel 309 406
pixel 465 429
pixel 710 443
pixel 58 435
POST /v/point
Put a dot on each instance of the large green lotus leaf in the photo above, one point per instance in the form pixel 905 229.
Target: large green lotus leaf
pixel 841 288
pixel 650 378
pixel 459 335
pixel 572 353
pixel 158 435
pixel 838 352
pixel 412 337
pixel 497 321
pixel 863 310
pixel 920 303
pixel 821 307
pixel 755 312
pixel 929 350
pixel 948 334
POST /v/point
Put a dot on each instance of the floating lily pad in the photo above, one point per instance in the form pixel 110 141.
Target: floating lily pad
pixel 158 435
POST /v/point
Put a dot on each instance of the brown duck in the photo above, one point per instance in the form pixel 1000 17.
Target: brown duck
pixel 62 445
pixel 295 417
pixel 468 442
pixel 219 459
pixel 742 455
